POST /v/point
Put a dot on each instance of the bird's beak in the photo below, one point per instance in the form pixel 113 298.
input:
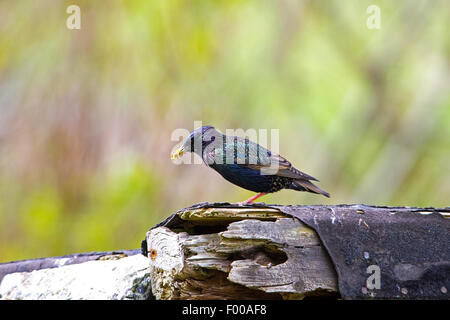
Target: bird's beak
pixel 177 153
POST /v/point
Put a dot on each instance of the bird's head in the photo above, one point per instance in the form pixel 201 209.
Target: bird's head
pixel 195 142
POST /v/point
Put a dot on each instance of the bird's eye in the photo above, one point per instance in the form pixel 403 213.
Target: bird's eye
pixel 213 138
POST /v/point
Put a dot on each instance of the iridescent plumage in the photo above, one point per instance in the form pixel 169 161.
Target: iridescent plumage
pixel 246 163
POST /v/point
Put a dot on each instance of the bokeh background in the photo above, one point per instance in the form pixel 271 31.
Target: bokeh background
pixel 86 115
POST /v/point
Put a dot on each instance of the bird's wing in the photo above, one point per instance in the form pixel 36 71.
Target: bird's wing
pixel 253 156
pixel 282 167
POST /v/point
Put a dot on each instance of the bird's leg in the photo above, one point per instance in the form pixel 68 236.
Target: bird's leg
pixel 250 200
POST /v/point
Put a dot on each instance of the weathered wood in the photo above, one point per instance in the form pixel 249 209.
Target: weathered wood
pixel 258 251
pixel 238 253
pixel 275 250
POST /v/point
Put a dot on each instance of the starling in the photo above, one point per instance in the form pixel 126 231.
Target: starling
pixel 246 163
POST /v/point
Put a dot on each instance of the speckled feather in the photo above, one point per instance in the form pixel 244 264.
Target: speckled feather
pixel 247 159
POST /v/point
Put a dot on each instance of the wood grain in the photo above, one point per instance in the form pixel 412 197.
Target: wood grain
pixel 260 253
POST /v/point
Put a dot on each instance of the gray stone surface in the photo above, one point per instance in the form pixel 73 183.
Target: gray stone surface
pixel 123 278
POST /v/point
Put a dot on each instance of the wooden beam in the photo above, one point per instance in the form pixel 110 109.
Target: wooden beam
pixel 238 253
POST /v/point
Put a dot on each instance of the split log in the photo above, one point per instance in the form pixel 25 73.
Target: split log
pixel 238 253
pixel 226 251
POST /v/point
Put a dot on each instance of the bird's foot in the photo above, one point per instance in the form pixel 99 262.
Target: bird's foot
pixel 250 200
pixel 244 202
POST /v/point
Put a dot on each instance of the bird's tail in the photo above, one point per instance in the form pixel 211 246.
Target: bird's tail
pixel 305 185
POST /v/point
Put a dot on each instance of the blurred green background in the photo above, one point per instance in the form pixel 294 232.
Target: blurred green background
pixel 87 115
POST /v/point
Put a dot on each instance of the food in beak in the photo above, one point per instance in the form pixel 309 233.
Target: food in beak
pixel 176 154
